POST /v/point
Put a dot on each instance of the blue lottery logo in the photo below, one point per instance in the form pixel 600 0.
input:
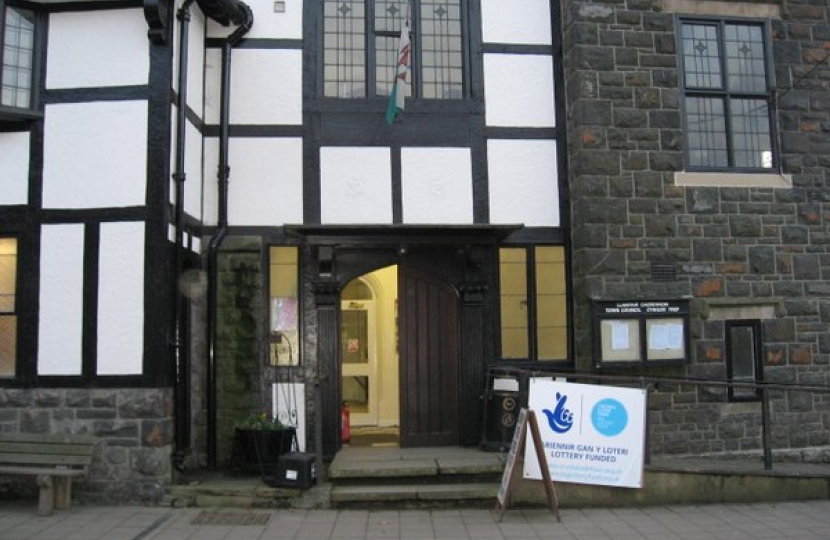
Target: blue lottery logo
pixel 609 417
pixel 560 419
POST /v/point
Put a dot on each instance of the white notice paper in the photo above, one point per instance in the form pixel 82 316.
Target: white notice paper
pixel 619 336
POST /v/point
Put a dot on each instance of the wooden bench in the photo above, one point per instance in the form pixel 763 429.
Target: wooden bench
pixel 54 459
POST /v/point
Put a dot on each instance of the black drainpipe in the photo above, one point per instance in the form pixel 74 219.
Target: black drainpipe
pixel 181 354
pixel 223 174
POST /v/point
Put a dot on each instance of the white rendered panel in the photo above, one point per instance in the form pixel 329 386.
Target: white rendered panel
pixel 437 185
pixel 14 168
pixel 266 182
pixel 268 23
pixel 95 155
pixel 97 48
pixel 524 184
pixel 210 187
pixel 193 171
pixel 506 21
pixel 266 87
pixel 196 63
pixel 518 89
pixel 60 326
pixel 213 85
pixel 355 185
pixel 121 299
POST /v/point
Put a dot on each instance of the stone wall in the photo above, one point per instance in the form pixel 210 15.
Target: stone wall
pixel 241 325
pixel 750 247
pixel 135 430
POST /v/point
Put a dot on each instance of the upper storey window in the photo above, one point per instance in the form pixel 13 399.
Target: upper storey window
pixel 727 96
pixel 18 37
pixel 361 40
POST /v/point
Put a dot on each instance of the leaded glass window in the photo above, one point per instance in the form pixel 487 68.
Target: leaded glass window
pixel 360 48
pixel 727 96
pixel 18 38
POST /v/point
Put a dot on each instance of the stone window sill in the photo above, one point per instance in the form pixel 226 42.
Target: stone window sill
pixel 769 180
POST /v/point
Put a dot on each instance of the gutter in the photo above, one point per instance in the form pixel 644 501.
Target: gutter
pixel 239 13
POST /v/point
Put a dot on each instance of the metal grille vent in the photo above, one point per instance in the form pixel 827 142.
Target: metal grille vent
pixel 663 272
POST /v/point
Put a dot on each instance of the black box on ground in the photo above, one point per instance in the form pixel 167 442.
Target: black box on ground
pixel 295 470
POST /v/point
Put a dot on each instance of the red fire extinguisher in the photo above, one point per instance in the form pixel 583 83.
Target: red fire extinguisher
pixel 345 423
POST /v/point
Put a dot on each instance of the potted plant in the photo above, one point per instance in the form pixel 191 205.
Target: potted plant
pixel 259 441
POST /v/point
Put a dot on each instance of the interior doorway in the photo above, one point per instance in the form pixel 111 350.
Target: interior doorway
pixel 369 357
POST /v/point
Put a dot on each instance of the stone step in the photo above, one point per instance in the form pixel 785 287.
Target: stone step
pixel 426 468
pixel 241 492
pixel 423 494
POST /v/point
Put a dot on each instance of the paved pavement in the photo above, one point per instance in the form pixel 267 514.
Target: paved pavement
pixel 789 520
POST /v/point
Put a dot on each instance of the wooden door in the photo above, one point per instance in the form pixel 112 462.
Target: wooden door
pixel 429 360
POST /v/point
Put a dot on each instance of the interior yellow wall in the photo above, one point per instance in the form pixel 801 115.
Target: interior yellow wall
pixel 385 284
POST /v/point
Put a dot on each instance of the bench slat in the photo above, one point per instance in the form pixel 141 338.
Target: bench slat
pixel 44 448
pixel 43 438
pixel 40 459
pixel 52 471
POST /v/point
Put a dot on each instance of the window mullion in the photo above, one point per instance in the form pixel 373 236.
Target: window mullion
pixel 730 133
pixel 415 48
pixel 726 93
pixel 371 50
pixel 2 38
pixel 533 346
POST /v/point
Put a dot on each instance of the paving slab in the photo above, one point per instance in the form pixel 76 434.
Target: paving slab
pixel 807 520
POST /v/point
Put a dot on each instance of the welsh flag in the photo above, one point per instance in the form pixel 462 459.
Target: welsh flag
pixel 399 87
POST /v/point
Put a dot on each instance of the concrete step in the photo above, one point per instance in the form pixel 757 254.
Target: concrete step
pixel 415 477
pixel 239 492
pixel 411 463
pixel 423 494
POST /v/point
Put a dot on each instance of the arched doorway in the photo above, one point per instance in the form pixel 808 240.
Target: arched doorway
pixel 400 354
pixel 462 262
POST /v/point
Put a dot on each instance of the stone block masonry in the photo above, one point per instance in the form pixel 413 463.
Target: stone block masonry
pixel 737 249
pixel 131 461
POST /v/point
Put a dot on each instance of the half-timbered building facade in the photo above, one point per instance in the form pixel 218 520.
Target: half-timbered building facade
pixel 207 210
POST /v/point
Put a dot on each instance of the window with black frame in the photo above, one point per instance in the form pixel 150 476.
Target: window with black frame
pixel 728 96
pixel 17 57
pixel 8 306
pixel 360 48
pixel 533 303
pixel 743 358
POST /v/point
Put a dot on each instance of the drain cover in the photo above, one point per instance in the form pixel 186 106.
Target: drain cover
pixel 231 518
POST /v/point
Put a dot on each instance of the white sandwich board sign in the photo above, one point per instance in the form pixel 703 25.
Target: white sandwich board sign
pixel 591 434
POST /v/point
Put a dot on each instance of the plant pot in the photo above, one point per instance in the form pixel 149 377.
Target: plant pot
pixel 256 450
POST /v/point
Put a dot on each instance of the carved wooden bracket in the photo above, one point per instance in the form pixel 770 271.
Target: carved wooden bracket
pixel 157 14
